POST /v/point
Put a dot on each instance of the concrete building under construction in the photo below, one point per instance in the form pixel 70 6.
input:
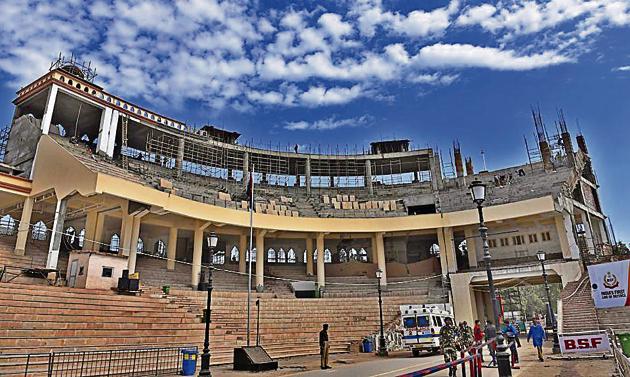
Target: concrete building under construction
pixel 100 185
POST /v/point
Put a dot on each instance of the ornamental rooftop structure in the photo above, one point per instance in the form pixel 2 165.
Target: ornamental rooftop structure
pixel 126 178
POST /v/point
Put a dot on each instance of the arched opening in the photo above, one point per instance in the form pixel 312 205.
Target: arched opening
pixel 291 257
pixel 234 254
pixel 218 257
pixel 434 250
pixel 40 231
pixel 463 248
pixel 69 235
pixel 7 225
pixel 160 248
pixel 81 237
pixel 282 256
pixel 114 243
pixel 343 256
pixel 327 256
pixel 140 247
pixel 271 255
pixel 363 255
pixel 353 254
pixel 251 255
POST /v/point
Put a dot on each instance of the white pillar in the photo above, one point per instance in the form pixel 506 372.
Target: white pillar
pixel 111 139
pixel 133 245
pixel 24 227
pixel 171 248
pixel 448 260
pixel 197 250
pixel 309 256
pixel 321 272
pixel 57 233
pixel 380 254
pixel 48 110
pixel 260 260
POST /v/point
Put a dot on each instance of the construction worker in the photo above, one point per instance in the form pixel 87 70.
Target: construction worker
pixel 538 335
pixel 449 342
pixel 324 347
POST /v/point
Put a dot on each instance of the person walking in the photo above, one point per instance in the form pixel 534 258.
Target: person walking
pixel 537 334
pixel 511 331
pixel 491 334
pixel 478 337
pixel 324 347
pixel 449 342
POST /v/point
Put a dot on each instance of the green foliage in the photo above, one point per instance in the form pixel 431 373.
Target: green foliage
pixel 532 299
pixel 621 249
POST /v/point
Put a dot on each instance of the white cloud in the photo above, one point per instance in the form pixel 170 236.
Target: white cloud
pixel 469 56
pixel 328 124
pixel 433 79
pixel 334 26
pixel 623 68
pixel 319 95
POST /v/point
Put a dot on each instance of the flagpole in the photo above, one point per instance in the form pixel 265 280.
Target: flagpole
pixel 251 237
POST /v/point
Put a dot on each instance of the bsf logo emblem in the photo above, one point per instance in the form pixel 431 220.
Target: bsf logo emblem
pixel 610 281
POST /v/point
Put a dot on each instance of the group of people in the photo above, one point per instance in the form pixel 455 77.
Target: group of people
pixel 462 338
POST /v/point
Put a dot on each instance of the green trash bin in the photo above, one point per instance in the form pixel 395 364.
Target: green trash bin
pixel 624 339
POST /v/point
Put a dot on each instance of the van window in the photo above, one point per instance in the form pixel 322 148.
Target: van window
pixel 438 321
pixel 409 322
pixel 423 321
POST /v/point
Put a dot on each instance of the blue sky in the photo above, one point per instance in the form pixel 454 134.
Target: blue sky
pixel 337 75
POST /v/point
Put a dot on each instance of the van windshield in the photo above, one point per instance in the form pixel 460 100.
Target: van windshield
pixel 409 322
pixel 423 321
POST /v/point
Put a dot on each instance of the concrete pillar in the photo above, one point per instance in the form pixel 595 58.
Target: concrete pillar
pixel 374 251
pixel 463 307
pixel 242 252
pixel 57 233
pixel 448 260
pixel 48 110
pixel 133 245
pixel 24 226
pixel 171 248
pixel 90 230
pixel 471 243
pixel 245 169
pixel 568 244
pixel 126 226
pixel 113 129
pixel 179 161
pixel 260 260
pixel 380 254
pixel 321 273
pixel 98 232
pixel 196 262
pixel 308 176
pixel 368 177
pixel 309 256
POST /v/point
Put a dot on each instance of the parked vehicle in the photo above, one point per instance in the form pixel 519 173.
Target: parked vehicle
pixel 421 326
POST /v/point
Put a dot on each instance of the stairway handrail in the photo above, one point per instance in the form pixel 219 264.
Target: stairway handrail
pixel 576 289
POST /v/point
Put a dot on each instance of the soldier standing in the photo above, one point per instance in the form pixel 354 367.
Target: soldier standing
pixel 466 336
pixel 449 342
pixel 324 346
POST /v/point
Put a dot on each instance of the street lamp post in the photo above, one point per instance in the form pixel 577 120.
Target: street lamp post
pixel 551 319
pixel 382 348
pixel 205 356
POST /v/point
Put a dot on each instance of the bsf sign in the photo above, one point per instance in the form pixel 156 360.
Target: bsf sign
pixel 584 343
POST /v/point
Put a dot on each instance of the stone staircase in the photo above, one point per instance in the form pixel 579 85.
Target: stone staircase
pixel 578 310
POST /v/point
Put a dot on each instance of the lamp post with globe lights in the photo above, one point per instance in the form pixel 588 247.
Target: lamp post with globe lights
pixel 205 356
pixel 551 319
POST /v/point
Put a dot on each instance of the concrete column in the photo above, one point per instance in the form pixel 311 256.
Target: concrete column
pixel 242 252
pixel 568 244
pixel 103 131
pixel 380 254
pixel 308 176
pixel 196 262
pixel 448 260
pixel 171 248
pixel 111 138
pixel 465 306
pixel 48 110
pixel 24 226
pixel 309 256
pixel 260 260
pixel 57 233
pixel 245 169
pixel 90 230
pixel 368 177
pixel 126 226
pixel 321 273
pixel 374 251
pixel 98 233
pixel 133 245
pixel 471 244
pixel 179 161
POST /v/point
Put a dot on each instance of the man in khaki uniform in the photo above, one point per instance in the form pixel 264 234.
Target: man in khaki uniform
pixel 324 346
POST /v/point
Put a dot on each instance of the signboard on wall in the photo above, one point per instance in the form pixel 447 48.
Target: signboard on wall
pixel 609 284
pixel 584 342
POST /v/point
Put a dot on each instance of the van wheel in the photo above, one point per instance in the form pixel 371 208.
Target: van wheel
pixel 416 353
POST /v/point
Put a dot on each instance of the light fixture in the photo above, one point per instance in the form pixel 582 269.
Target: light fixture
pixel 379 274
pixel 541 256
pixel 477 191
pixel 212 240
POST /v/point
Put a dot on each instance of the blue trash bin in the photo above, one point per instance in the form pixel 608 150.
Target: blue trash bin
pixel 189 362
pixel 367 346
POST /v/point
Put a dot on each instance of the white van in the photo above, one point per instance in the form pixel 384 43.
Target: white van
pixel 421 326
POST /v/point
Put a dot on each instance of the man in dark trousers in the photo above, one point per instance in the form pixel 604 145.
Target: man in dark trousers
pixel 324 346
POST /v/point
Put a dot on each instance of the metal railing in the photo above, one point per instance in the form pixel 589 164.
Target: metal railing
pixel 136 362
pixel 622 362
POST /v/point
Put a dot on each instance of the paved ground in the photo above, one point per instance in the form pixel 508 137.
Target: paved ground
pixel 369 365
